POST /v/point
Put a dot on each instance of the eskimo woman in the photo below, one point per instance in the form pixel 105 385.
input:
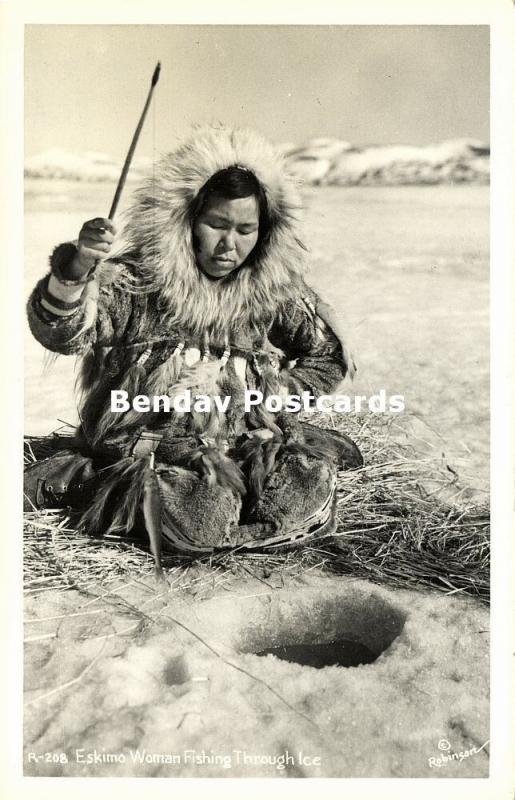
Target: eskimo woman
pixel 203 290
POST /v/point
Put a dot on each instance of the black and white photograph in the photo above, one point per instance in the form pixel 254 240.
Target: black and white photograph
pixel 256 417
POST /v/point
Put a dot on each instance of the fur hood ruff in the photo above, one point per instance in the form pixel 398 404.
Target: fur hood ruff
pixel 158 236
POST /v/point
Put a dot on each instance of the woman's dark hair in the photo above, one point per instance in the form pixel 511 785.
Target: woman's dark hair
pixel 230 184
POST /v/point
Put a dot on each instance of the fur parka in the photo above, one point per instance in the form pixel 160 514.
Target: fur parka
pixel 151 296
pixel 152 323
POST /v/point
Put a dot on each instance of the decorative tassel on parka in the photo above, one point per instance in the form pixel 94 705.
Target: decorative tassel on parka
pixel 133 383
pixel 268 384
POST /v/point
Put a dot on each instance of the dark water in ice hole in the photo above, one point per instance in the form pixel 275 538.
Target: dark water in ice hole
pixel 343 653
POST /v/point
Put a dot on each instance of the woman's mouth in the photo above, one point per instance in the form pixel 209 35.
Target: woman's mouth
pixel 223 260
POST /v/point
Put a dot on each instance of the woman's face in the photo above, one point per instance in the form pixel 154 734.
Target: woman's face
pixel 225 233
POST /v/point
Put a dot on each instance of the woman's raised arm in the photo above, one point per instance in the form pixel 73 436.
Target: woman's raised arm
pixel 69 310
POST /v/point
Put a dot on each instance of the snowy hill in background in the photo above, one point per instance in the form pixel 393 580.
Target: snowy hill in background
pixel 330 161
pixel 90 166
pixel 318 162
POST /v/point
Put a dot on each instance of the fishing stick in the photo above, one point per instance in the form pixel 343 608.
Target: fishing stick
pixel 123 176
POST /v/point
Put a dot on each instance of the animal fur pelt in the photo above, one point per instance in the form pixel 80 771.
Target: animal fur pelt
pixel 257 459
pixel 258 456
pixel 127 473
pixel 211 464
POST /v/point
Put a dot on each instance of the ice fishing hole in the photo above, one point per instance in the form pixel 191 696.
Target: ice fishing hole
pixel 345 653
pixel 320 630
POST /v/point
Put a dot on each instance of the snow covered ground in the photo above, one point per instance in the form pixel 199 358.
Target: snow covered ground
pixel 155 683
pixel 129 672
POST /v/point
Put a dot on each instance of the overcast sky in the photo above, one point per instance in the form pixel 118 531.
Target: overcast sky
pixel 85 85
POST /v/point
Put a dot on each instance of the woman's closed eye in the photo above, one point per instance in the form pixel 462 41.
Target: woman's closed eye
pixel 243 230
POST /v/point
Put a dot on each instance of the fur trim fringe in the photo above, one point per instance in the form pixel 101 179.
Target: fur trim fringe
pixel 158 229
pixel 215 468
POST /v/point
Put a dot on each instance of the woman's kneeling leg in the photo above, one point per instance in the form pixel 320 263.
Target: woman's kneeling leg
pixel 196 516
pixel 298 497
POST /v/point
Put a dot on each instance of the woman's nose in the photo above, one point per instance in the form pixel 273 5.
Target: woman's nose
pixel 229 239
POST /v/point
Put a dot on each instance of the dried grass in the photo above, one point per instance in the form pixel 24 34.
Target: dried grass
pixel 405 521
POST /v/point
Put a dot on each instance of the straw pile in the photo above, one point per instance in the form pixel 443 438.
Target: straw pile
pixel 404 521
